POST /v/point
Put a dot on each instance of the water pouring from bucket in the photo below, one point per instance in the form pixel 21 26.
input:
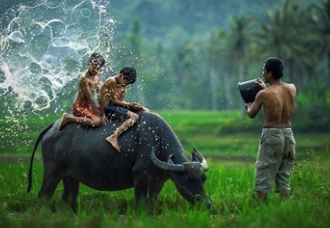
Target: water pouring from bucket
pixel 249 90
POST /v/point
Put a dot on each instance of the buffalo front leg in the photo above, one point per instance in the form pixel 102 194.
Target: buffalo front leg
pixel 140 187
pixel 140 192
pixel 70 192
pixel 154 191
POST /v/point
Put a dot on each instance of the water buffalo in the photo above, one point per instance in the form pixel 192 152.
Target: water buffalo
pixel 150 155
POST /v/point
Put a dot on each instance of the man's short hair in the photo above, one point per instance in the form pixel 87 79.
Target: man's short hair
pixel 274 65
pixel 129 74
pixel 97 59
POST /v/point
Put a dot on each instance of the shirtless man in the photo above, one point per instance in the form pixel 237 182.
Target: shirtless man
pixel 115 107
pixel 84 108
pixel 277 144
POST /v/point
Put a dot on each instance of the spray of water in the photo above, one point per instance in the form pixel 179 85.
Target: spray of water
pixel 45 46
pixel 42 48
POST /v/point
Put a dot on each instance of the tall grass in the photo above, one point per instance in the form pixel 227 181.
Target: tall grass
pixel 229 185
pixel 229 182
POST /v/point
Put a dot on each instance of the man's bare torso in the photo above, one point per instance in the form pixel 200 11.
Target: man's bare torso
pixel 279 102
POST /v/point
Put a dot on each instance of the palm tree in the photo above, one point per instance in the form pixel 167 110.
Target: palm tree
pixel 214 52
pixel 320 18
pixel 283 33
pixel 134 39
pixel 237 46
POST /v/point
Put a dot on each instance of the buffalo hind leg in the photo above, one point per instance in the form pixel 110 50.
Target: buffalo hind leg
pixel 47 190
pixel 70 192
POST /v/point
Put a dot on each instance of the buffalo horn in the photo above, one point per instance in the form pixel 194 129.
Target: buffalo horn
pixel 196 156
pixel 169 166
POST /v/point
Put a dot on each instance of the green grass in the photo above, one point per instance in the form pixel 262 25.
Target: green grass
pixel 220 136
pixel 229 185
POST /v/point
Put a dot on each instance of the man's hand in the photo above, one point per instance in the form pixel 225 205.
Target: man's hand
pixel 261 83
pixel 248 105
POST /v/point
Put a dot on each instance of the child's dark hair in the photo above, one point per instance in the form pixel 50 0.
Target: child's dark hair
pixel 274 65
pixel 97 59
pixel 129 74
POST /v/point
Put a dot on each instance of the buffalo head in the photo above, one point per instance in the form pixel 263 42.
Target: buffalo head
pixel 189 177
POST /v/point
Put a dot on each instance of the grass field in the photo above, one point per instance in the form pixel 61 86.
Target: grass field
pixel 229 183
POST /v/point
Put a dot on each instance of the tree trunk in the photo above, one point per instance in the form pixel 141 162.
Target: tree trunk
pixel 213 86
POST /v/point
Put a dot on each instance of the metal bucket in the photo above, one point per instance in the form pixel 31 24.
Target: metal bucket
pixel 248 90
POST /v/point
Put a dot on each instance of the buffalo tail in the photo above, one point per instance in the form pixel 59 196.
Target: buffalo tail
pixel 33 153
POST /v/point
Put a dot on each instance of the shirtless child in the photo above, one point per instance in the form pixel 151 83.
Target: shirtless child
pixel 84 108
pixel 114 107
pixel 277 143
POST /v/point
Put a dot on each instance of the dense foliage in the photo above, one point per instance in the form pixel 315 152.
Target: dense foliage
pixel 190 55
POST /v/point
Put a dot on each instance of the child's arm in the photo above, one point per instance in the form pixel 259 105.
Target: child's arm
pixel 139 107
pixel 89 95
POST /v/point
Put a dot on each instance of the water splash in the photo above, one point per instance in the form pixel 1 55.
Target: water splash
pixel 45 46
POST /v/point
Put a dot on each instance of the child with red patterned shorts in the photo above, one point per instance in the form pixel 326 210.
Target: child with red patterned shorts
pixel 84 108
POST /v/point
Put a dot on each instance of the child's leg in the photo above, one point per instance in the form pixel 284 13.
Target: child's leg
pixel 64 121
pixel 67 118
pixel 132 118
